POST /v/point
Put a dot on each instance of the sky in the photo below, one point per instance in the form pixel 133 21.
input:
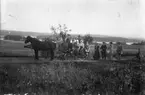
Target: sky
pixel 123 18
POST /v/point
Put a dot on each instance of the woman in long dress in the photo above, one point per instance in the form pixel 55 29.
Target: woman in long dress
pixel 104 50
pixel 97 52
pixel 110 51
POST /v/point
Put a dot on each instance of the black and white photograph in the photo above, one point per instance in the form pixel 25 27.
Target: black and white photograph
pixel 72 47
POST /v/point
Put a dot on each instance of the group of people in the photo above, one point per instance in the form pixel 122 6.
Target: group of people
pixel 80 49
pixel 107 51
pixel 103 51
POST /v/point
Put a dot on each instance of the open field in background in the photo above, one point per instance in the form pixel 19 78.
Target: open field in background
pixel 17 47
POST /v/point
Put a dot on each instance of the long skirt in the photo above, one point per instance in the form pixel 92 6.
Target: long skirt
pixel 110 55
pixel 104 54
pixel 96 55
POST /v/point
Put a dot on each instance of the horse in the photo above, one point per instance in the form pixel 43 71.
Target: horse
pixel 39 45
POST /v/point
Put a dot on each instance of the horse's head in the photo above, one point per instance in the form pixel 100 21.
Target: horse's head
pixel 28 39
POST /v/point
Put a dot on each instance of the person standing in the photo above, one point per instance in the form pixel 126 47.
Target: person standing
pixel 110 51
pixel 103 50
pixel 87 51
pixel 119 50
pixel 69 44
pixel 81 46
pixel 79 38
pixel 97 53
pixel 138 56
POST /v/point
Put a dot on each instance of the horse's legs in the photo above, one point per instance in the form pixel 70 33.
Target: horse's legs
pixel 52 54
pixel 36 55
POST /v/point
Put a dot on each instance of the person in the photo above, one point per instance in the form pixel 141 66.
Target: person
pixel 75 49
pixel 81 51
pixel 69 44
pixel 138 56
pixel 87 50
pixel 96 55
pixel 103 50
pixel 79 38
pixel 110 51
pixel 119 50
pixel 68 40
pixel 81 45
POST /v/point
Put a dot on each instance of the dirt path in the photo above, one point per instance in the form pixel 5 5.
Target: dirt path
pixel 24 61
pixel 12 60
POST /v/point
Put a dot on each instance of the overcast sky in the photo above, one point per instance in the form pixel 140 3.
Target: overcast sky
pixel 124 18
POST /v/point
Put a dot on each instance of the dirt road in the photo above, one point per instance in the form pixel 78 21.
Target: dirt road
pixel 13 60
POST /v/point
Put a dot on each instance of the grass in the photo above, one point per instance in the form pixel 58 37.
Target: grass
pixel 71 78
pixel 14 48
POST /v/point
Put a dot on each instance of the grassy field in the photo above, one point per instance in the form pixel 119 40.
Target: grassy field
pixel 15 47
pixel 72 78
pixel 25 75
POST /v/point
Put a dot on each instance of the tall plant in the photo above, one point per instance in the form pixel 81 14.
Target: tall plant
pixel 61 31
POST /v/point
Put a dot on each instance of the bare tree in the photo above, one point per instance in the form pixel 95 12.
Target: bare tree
pixel 55 34
pixel 61 31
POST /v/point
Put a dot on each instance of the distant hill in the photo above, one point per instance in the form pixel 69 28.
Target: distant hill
pixel 106 38
pixel 96 37
pixel 116 39
pixel 22 33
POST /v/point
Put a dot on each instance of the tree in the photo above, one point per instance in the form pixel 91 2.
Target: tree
pixel 88 39
pixel 139 43
pixel 55 34
pixel 61 31
pixel 142 42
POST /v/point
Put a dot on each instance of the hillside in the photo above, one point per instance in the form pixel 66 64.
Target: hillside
pixel 22 33
pixel 96 37
pixel 116 39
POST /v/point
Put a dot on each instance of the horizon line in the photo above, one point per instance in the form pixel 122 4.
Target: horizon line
pixel 76 34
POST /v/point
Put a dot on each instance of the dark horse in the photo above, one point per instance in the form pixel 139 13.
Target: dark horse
pixel 39 45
